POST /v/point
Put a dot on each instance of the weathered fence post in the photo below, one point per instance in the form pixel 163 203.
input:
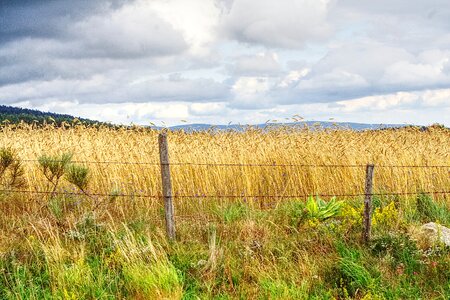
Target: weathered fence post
pixel 367 221
pixel 166 185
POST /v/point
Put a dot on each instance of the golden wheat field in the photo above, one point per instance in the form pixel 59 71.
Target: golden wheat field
pixel 283 161
pixel 91 246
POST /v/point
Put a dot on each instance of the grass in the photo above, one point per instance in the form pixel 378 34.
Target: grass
pixel 87 247
pixel 276 254
pixel 407 146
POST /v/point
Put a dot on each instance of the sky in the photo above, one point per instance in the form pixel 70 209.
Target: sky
pixel 171 62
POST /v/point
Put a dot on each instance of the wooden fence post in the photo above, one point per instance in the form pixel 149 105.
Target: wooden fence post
pixel 166 185
pixel 367 221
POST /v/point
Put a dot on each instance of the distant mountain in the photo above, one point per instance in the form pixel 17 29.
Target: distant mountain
pixel 14 115
pixel 310 124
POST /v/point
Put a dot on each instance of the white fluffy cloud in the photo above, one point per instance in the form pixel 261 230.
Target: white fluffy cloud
pixel 261 64
pixel 228 60
pixel 133 31
pixel 358 70
pixel 94 89
pixel 281 23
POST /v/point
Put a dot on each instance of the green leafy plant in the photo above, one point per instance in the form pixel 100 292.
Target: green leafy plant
pixel 321 210
pixel 11 170
pixel 78 176
pixel 54 167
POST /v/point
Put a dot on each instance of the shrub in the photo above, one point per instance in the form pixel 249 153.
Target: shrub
pixel 54 167
pixel 351 216
pixel 385 217
pixel 78 176
pixel 11 170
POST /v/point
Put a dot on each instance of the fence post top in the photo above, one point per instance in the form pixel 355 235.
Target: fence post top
pixel 162 137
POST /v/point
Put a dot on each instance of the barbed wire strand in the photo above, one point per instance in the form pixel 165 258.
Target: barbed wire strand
pixel 223 196
pixel 245 165
pixel 96 162
pixel 79 194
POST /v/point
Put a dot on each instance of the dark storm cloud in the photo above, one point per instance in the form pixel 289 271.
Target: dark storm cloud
pixel 44 40
pixel 236 53
pixel 45 18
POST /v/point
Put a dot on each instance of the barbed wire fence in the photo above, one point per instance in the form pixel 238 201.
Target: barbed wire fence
pixel 168 195
pixel 242 164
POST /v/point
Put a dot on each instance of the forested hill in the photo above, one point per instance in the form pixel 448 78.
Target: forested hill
pixel 14 115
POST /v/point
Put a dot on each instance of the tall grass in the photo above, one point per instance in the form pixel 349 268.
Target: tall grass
pixel 90 247
pixel 408 146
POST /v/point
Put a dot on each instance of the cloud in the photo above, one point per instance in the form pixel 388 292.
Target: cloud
pixel 207 109
pixel 424 71
pixel 282 23
pixel 415 25
pixel 396 108
pixel 196 20
pixel 107 37
pixel 132 31
pixel 347 72
pixel 359 70
pixel 379 103
pixel 93 90
pixel 432 9
pixel 429 99
pixel 47 18
pixel 175 88
pixel 251 93
pixel 261 64
pixel 228 60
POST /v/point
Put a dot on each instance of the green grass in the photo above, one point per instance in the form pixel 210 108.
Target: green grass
pixel 242 253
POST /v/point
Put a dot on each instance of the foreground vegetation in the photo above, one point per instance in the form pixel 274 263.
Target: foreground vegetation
pixel 84 246
pixel 63 251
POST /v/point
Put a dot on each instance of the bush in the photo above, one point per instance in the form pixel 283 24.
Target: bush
pixel 11 170
pixel 78 176
pixel 385 217
pixel 54 167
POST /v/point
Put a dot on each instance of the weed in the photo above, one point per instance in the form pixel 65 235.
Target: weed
pixel 12 174
pixel 430 211
pixel 54 167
